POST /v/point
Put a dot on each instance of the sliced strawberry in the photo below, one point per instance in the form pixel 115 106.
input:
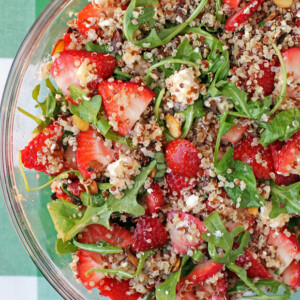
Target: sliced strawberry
pixel 76 188
pixel 185 231
pixel 281 179
pixel 291 275
pixel 70 159
pixel 202 272
pixel 60 194
pixel 183 158
pixel 124 102
pixel 235 134
pixel 116 289
pixel 241 218
pixel 288 160
pixel 88 261
pixel 117 236
pixel 149 234
pixel 252 266
pixel 82 68
pixel 266 81
pixel 291 58
pixel 44 152
pixel 92 156
pixel 242 15
pixel 255 155
pixel 287 245
pixel 89 16
pixel 155 198
pixel 177 183
pixel 232 3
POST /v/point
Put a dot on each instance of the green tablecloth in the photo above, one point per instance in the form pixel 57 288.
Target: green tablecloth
pixel 19 278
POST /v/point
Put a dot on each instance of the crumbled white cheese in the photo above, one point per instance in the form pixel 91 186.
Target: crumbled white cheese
pixel 184 86
pixel 191 201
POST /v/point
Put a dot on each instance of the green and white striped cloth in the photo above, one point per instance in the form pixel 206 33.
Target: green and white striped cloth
pixel 19 277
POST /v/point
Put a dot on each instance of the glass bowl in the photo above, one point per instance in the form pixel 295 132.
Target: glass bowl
pixel 28 211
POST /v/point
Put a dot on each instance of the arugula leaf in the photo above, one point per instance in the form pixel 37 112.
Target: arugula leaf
pixel 246 197
pixel 96 48
pixel 161 166
pixel 167 290
pixel 64 247
pixel 220 17
pixel 104 186
pixel 193 112
pixel 68 221
pixel 102 247
pixel 92 200
pixel 218 236
pixel 123 274
pixel 154 39
pixel 271 286
pixel 88 108
pixel 285 199
pixel 283 126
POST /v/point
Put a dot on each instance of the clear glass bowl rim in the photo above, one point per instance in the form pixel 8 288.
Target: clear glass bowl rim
pixel 7 114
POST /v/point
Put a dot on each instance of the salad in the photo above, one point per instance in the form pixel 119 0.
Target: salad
pixel 171 133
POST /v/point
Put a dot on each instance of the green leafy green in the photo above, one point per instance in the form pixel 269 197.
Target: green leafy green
pixel 78 94
pixel 271 286
pixel 88 108
pixel 96 48
pixel 155 38
pixel 64 247
pixel 161 166
pixel 283 126
pixel 167 290
pixel 220 17
pixel 230 169
pixel 104 186
pixel 68 221
pixel 92 200
pixel 218 236
pixel 102 247
pixel 197 256
pixel 123 274
pixel 285 199
pixel 193 112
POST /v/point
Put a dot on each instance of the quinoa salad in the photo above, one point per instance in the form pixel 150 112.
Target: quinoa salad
pixel 171 134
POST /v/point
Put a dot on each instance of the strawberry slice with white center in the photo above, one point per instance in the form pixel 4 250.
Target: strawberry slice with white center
pixel 124 102
pixel 242 15
pixel 232 3
pixel 201 272
pixel 117 236
pixel 287 245
pixel 291 58
pixel 291 275
pixel 92 156
pixel 185 231
pixel 88 261
pixel 288 159
pixel 155 198
pixel 82 68
pixel 235 134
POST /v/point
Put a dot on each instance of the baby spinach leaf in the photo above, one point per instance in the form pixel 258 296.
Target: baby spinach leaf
pixel 193 112
pixel 122 274
pixel 68 221
pixel 64 247
pixel 232 169
pixel 285 199
pixel 88 108
pixel 275 289
pixel 283 126
pixel 161 166
pixel 155 38
pixel 167 290
pixel 102 247
pixel 218 236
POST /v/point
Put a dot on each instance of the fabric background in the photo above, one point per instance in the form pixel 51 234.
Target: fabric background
pixel 19 277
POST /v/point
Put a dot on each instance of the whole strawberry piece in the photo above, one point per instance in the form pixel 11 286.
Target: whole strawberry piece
pixel 92 156
pixel 44 152
pixel 177 183
pixel 124 102
pixel 183 158
pixel 149 234
pixel 185 231
pixel 288 160
pixel 251 152
pixel 82 68
pixel 155 198
pixel 117 236
pixel 116 289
